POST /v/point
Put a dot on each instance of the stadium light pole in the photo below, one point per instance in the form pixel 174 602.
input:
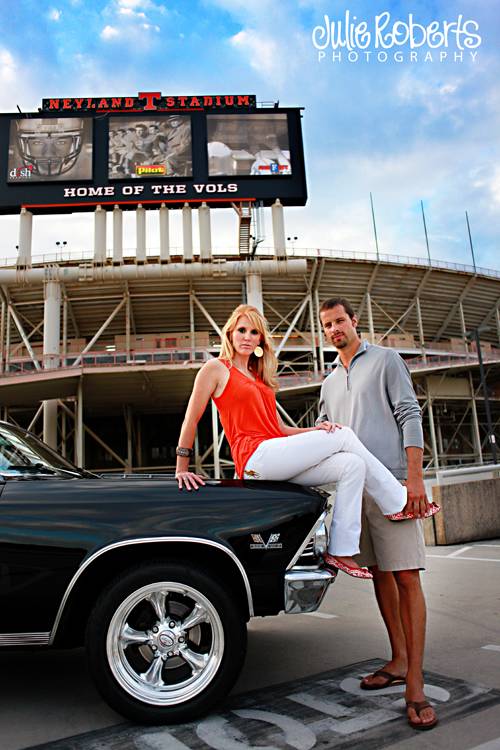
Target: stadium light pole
pixel 374 227
pixel 470 241
pixel 425 232
pixel 474 335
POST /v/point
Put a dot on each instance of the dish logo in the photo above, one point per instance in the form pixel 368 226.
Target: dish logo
pixel 21 173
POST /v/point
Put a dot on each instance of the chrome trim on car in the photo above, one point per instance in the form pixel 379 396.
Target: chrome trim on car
pixel 24 639
pixel 305 589
pixel 150 540
pixel 304 544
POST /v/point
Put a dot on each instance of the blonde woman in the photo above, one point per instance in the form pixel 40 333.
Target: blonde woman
pixel 242 383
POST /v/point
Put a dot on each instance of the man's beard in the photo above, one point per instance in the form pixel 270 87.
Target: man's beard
pixel 340 344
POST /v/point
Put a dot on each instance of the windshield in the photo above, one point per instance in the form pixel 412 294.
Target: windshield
pixel 21 453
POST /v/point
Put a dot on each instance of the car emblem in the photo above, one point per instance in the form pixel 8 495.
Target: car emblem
pixel 166 640
pixel 259 543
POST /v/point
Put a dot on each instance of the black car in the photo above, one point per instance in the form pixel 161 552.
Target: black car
pixel 157 583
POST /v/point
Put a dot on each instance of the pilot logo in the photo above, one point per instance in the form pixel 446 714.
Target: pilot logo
pixel 259 543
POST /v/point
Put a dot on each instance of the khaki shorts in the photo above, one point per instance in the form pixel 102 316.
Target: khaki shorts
pixel 391 545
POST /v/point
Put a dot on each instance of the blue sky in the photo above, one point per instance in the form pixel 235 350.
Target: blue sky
pixel 406 131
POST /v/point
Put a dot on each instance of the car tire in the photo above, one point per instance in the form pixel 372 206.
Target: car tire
pixel 165 643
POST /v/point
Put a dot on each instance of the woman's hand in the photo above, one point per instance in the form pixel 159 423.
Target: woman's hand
pixel 189 480
pixel 328 426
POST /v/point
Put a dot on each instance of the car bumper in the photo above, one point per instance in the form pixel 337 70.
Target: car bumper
pixel 305 589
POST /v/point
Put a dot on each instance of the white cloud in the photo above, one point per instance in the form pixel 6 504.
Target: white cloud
pixel 55 14
pixel 7 66
pixel 131 4
pixel 131 13
pixel 109 32
pixel 262 51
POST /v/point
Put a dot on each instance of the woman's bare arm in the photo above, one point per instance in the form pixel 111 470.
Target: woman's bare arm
pixel 205 384
pixel 288 430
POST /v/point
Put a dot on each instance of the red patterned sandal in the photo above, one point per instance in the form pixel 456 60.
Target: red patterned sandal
pixel 334 563
pixel 433 509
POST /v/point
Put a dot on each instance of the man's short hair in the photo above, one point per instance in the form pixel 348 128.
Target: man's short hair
pixel 328 304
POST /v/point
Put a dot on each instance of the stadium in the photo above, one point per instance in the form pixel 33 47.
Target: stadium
pixel 99 348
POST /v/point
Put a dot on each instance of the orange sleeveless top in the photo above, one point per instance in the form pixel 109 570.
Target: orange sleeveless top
pixel 247 410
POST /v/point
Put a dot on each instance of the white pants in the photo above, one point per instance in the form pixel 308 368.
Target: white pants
pixel 320 457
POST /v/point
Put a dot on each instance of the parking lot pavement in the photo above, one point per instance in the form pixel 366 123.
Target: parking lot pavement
pixel 47 697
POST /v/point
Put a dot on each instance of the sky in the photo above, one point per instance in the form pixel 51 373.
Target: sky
pixel 405 130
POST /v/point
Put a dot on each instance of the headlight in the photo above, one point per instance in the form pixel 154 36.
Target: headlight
pixel 320 540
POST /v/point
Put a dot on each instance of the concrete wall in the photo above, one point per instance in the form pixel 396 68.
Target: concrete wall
pixel 469 512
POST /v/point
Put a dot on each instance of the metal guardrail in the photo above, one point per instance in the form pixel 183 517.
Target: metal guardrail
pixel 24 365
pixel 181 357
pixel 66 255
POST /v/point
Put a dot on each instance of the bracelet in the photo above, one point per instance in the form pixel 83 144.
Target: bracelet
pixel 184 452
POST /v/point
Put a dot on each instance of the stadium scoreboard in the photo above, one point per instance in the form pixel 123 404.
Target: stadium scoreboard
pixel 76 153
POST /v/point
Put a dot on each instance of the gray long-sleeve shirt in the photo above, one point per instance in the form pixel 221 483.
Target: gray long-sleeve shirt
pixel 375 397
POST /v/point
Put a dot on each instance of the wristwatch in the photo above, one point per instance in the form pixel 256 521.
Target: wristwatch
pixel 184 452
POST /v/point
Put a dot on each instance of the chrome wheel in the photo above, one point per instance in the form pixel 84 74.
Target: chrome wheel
pixel 165 643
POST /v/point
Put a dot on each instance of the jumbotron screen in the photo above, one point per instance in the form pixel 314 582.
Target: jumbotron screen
pixel 47 149
pixel 76 154
pixel 255 144
pixel 152 148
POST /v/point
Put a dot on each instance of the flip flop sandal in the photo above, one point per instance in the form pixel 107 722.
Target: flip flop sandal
pixel 390 679
pixel 419 706
pixel 433 509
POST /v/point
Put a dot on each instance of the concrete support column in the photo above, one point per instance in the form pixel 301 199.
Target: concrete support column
pixel 192 332
pixel 117 235
pixel 127 325
pixel 321 350
pixel 51 324
pixel 187 232
pixel 3 315
pixel 278 229
pixel 140 227
pixel 128 427
pixel 205 233
pixel 164 234
pixel 313 334
pixel 476 434
pixel 65 331
pixel 497 315
pixel 25 235
pixel 79 428
pixel 51 352
pixel 99 235
pixel 432 428
pixel 7 339
pixel 370 317
pixel 254 290
pixel 421 330
pixel 50 423
pixel 215 438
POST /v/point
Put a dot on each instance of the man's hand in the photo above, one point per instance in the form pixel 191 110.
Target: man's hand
pixel 417 502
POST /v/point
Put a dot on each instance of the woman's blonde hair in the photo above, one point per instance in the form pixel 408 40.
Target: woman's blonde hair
pixel 264 367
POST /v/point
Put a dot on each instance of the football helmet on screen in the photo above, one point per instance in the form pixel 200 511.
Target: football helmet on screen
pixel 50 145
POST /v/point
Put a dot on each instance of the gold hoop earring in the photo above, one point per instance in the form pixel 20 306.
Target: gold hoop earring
pixel 258 351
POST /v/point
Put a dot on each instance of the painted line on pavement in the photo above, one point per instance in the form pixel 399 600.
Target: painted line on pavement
pixel 458 552
pixel 491 745
pixel 476 559
pixel 487 545
pixel 491 647
pixel 322 615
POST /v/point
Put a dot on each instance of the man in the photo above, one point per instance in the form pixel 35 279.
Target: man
pixel 370 390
